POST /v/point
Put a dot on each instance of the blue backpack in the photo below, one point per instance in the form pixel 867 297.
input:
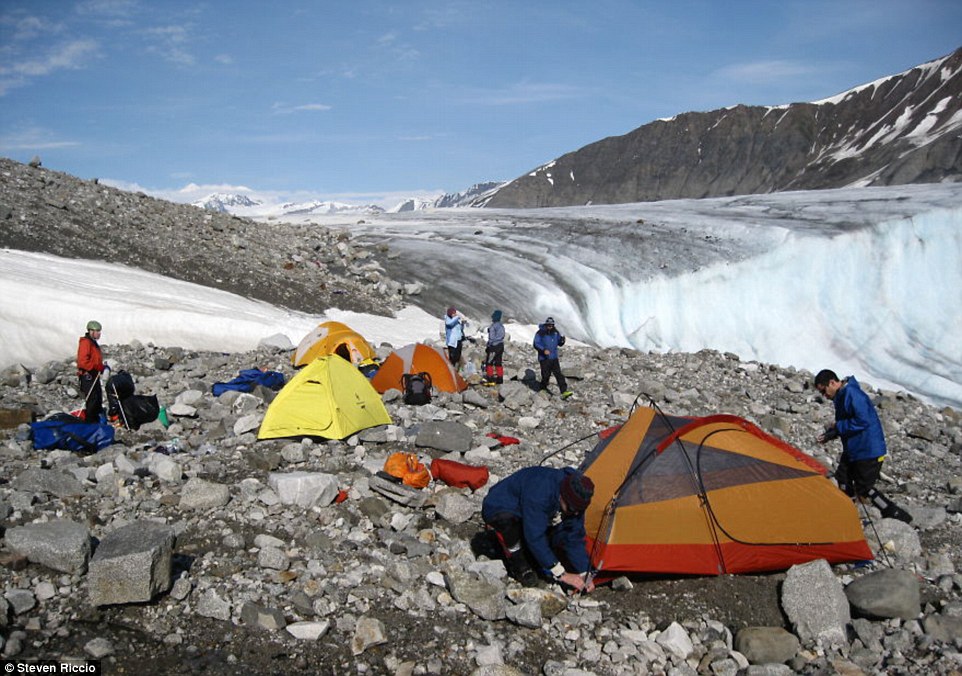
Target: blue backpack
pixel 66 432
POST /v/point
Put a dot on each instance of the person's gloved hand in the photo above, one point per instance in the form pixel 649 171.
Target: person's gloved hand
pixel 106 366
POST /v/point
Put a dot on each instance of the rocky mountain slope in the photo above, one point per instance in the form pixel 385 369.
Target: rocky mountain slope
pixel 295 266
pixel 183 549
pixel 906 128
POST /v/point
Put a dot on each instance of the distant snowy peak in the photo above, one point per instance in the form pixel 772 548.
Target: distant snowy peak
pixel 226 202
pixel 325 207
pixel 475 196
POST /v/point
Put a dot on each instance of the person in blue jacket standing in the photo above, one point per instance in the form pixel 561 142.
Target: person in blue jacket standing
pixel 538 512
pixel 863 442
pixel 547 341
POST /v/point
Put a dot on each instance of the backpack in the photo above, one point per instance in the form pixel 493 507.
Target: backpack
pixel 119 386
pixel 417 388
pixel 133 410
pixel 139 409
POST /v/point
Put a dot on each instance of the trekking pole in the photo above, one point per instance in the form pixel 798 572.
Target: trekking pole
pixel 91 390
pixel 120 405
pixel 878 538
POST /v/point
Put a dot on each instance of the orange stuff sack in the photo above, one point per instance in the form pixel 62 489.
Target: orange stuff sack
pixel 458 474
pixel 407 468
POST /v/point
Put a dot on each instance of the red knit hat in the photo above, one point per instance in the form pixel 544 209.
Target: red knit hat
pixel 576 490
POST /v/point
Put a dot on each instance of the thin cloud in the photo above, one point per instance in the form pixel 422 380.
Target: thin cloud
pixel 33 139
pixel 171 43
pixel 765 72
pixel 522 93
pixel 115 8
pixel 71 56
pixel 285 109
pixel 225 59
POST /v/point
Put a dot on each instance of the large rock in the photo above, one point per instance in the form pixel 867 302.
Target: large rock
pixel 60 544
pixel 885 594
pixel 132 564
pixel 55 482
pixel 444 435
pixel 304 489
pixel 766 645
pixel 484 597
pixel 815 602
pixel 202 494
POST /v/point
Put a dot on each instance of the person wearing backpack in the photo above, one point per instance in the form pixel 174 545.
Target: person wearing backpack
pixel 454 325
pixel 547 341
pixel 90 367
pixel 494 351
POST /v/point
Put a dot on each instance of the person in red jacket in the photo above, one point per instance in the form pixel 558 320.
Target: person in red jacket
pixel 90 366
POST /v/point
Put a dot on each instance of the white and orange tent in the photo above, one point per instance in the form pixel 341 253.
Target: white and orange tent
pixel 333 338
pixel 417 358
pixel 709 496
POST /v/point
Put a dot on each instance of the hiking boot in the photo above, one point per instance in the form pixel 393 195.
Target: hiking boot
pixel 519 569
pixel 896 512
pixel 566 394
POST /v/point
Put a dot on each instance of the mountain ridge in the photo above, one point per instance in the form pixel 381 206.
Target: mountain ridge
pixel 904 128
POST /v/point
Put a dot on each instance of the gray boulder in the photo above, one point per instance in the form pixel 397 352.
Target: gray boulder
pixel 132 564
pixel 886 593
pixel 766 645
pixel 60 544
pixel 444 435
pixel 815 602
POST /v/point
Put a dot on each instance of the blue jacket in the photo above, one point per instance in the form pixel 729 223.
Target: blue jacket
pixel 857 423
pixel 534 495
pixel 453 330
pixel 547 340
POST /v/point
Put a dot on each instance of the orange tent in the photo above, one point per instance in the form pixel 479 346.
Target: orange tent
pixel 415 358
pixel 333 338
pixel 710 496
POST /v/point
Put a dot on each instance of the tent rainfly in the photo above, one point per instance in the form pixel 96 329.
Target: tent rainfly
pixel 327 398
pixel 333 338
pixel 710 496
pixel 418 358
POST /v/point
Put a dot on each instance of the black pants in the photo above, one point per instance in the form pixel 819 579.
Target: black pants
pixel 857 479
pixel 454 353
pixel 90 388
pixel 552 367
pixel 494 354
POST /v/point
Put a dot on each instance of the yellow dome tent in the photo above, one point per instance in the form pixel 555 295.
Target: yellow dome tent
pixel 333 338
pixel 327 398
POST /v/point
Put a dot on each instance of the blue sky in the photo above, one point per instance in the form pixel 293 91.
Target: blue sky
pixel 365 101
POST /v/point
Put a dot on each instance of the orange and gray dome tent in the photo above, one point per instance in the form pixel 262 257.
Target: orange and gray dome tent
pixel 333 338
pixel 417 358
pixel 711 496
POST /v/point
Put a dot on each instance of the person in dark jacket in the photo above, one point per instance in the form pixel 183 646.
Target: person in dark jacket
pixel 539 512
pixel 90 366
pixel 494 351
pixel 547 341
pixel 863 442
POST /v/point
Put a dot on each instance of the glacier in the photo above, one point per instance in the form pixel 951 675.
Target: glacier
pixel 864 281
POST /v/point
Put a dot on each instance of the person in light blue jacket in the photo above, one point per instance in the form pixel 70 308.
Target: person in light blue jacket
pixel 863 442
pixel 454 324
pixel 539 512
